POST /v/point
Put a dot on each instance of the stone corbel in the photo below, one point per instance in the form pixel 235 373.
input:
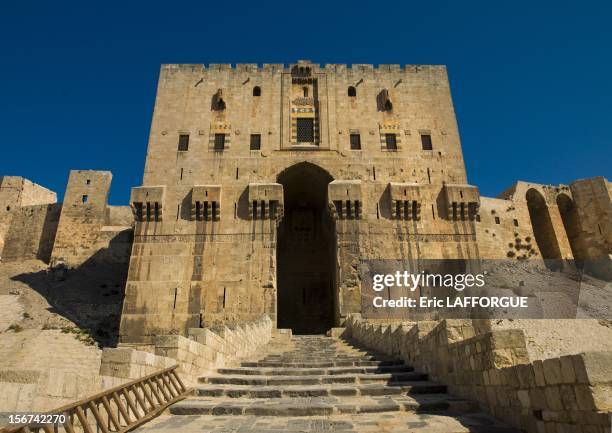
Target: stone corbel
pixel 147 202
pixel 462 201
pixel 266 201
pixel 405 200
pixel 345 199
pixel 206 202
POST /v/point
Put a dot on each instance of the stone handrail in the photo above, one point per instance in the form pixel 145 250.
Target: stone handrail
pixel 118 409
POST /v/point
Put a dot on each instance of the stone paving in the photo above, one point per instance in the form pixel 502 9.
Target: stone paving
pixel 396 422
pixel 320 384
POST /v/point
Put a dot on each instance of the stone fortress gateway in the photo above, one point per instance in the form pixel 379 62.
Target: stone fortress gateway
pixel 264 188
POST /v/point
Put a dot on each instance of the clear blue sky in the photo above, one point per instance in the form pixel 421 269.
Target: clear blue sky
pixel 531 81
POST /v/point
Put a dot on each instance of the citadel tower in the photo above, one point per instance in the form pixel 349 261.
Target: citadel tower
pixel 265 186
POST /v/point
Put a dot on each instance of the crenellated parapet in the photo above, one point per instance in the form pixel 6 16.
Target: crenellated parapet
pixel 206 202
pixel 462 201
pixel 148 202
pixel 315 68
pixel 345 199
pixel 266 201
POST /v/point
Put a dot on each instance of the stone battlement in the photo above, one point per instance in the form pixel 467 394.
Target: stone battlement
pixel 316 68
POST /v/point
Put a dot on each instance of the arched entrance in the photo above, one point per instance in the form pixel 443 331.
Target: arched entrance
pixel 542 225
pixel 569 216
pixel 306 252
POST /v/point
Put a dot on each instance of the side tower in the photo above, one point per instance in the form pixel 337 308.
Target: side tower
pixel 17 197
pixel 265 186
pixel 89 230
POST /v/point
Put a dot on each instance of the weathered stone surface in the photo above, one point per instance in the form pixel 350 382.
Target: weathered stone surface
pixel 278 396
pixel 552 394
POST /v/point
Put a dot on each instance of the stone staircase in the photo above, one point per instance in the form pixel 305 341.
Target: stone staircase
pixel 316 384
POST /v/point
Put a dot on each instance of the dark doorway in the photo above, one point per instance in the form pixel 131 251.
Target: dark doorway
pixel 542 225
pixel 306 253
pixel 569 216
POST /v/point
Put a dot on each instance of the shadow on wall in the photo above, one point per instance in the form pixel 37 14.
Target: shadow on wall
pixel 90 295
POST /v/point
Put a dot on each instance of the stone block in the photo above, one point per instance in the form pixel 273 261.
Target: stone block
pixel 598 366
pixel 584 397
pixel 552 371
pixel 553 398
pixel 118 355
pixel 525 375
pixel 495 377
pixel 567 369
pixel 523 396
pixel 502 358
pixel 568 397
pixel 537 398
pixel 167 341
pixel 538 370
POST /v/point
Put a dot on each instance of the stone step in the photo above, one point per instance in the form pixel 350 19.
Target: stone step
pixel 345 350
pixel 304 359
pixel 235 379
pixel 317 406
pixel 396 422
pixel 391 388
pixel 264 371
pixel 316 356
pixel 325 364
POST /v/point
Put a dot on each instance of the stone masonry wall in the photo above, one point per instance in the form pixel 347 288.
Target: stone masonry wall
pixel 581 218
pixel 90 230
pixel 500 224
pixel 32 233
pixel 175 281
pixel 17 192
pixel 204 350
pixel 570 393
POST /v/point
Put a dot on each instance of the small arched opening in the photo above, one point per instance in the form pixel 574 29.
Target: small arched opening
pixel 256 91
pixel 352 92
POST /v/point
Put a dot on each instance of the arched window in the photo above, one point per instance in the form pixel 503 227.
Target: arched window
pixel 305 89
pixel 383 101
pixel 256 91
pixel 218 104
pixel 352 91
